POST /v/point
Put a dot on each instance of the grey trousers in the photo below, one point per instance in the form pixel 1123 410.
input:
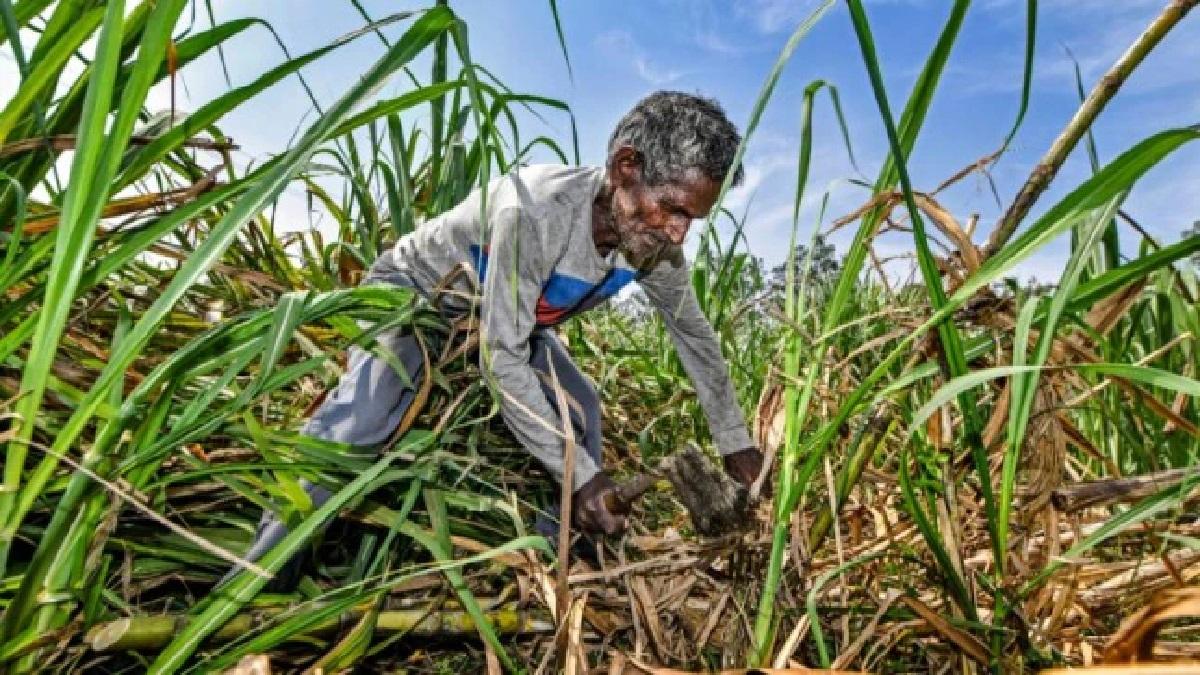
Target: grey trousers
pixel 371 397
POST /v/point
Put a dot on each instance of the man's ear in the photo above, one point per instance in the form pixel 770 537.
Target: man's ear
pixel 625 166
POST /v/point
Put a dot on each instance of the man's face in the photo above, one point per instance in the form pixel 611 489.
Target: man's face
pixel 648 219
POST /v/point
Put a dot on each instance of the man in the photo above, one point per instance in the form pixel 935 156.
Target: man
pixel 556 241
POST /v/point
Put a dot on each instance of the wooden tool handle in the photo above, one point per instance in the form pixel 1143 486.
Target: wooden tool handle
pixel 621 501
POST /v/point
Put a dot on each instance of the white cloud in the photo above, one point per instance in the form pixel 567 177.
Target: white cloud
pixel 756 171
pixel 714 42
pixel 651 73
pixel 772 16
pixel 620 44
pixel 708 24
pixel 10 76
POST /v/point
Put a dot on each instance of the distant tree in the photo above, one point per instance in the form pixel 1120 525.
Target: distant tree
pixel 817 275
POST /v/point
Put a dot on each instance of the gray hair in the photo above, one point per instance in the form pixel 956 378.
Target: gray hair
pixel 676 133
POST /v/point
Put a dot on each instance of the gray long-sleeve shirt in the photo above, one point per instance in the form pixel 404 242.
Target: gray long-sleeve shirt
pixel 538 266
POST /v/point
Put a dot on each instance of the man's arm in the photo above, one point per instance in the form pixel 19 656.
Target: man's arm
pixel 517 268
pixel 669 288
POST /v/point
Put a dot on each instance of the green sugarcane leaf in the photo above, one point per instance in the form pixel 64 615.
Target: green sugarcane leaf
pixel 46 70
pixel 73 242
pixel 431 24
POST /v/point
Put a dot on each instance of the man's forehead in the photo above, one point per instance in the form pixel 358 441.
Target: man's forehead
pixel 695 190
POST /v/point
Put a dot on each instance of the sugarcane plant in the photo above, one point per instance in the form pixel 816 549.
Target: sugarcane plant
pixel 123 361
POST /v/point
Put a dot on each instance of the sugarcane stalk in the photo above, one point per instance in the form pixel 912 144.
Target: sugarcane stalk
pixel 150 633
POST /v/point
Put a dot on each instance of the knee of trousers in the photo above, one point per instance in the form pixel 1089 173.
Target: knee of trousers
pixel 366 405
pixel 584 404
pixel 366 423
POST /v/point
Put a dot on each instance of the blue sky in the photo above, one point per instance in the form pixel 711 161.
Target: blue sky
pixel 621 51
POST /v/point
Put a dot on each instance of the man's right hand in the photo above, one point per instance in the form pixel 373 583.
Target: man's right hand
pixel 589 509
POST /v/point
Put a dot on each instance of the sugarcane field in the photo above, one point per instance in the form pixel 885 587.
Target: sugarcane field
pixel 654 338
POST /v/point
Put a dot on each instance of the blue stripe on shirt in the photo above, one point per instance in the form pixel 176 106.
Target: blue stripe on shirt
pixel 563 291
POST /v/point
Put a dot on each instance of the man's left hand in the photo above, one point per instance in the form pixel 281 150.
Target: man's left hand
pixel 744 466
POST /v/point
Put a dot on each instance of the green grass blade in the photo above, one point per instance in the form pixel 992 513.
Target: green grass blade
pixel 423 32
pixel 814 619
pixel 9 26
pixel 214 110
pixel 439 545
pixel 243 587
pixel 933 538
pixel 1115 279
pixel 949 339
pixel 45 72
pixel 1146 375
pixel 562 41
pixel 1024 386
pixel 911 120
pixel 22 13
pixel 1117 177
pixel 262 193
pixel 786 496
pixel 77 229
pixel 1031 9
pixel 73 242
pixel 760 104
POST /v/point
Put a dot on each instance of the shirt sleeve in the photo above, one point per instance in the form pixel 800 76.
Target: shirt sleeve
pixel 516 270
pixel 669 288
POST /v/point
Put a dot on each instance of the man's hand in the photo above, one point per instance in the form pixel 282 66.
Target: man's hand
pixel 744 466
pixel 589 510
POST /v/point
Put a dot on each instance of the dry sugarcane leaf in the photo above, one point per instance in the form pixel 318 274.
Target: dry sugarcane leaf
pixel 61 142
pixel 576 656
pixel 1078 496
pixel 1133 642
pixel 636 666
pixel 1181 400
pixel 970 645
pixel 1143 577
pixel 710 628
pixel 867 632
pixel 995 424
pixel 251 664
pixel 947 224
pixel 644 599
pixel 768 422
pixel 886 200
pixel 651 670
pixel 792 642
pixel 492 661
pixel 135 204
pixel 1107 311
pixel 1135 391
